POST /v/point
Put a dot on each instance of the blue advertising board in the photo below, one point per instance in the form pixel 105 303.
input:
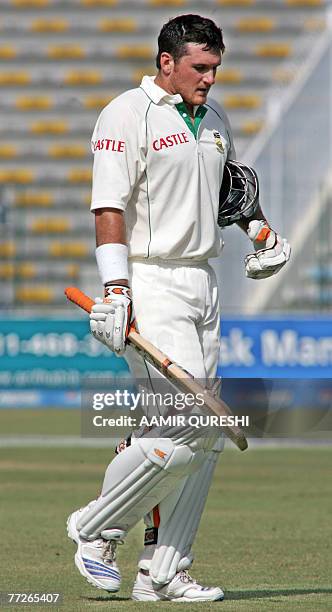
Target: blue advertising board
pixel 42 361
pixel 276 348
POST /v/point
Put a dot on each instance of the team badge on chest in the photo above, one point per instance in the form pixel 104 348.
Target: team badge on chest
pixel 218 141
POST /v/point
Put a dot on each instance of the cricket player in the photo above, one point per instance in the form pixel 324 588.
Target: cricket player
pixel 159 156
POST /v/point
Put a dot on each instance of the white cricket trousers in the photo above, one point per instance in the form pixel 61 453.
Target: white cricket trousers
pixel 177 309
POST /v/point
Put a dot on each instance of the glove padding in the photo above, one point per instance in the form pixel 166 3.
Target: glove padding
pixel 271 251
pixel 111 318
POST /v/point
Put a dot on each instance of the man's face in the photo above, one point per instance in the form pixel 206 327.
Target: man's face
pixel 194 74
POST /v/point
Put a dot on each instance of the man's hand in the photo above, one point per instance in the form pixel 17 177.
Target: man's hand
pixel 271 251
pixel 111 317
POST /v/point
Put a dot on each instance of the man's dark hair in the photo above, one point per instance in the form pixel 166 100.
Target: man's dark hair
pixel 175 35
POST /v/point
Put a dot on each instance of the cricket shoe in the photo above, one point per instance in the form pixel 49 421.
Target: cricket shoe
pixel 96 560
pixel 181 589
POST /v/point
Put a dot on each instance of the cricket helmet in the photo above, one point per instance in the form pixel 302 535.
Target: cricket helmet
pixel 239 193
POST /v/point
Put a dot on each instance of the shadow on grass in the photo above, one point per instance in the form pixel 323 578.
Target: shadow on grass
pixel 106 598
pixel 233 595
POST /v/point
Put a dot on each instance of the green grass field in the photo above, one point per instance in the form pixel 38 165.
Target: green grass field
pixel 265 536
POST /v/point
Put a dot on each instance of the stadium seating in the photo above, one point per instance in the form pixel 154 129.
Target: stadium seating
pixel 33 270
pixel 61 62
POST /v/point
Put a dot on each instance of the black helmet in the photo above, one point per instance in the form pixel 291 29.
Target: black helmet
pixel 239 192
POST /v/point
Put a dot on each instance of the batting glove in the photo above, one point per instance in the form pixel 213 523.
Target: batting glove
pixel 271 251
pixel 111 318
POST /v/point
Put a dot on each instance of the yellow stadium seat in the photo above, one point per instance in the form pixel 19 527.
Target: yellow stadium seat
pixel 283 75
pixel 93 3
pixel 41 198
pixel 16 176
pixel 118 25
pixel 80 175
pixel 229 75
pixel 139 73
pixel 34 102
pixel 68 249
pixel 67 150
pixel 50 226
pixel 26 270
pixel 65 52
pixel 256 24
pixel 50 25
pixel 7 249
pixel 7 271
pixel 167 2
pixel 97 101
pixel 7 52
pixel 49 127
pixel 274 49
pixel 304 2
pixel 83 77
pixel 314 24
pixel 72 271
pixel 42 294
pixel 236 2
pixel 14 78
pixel 87 199
pixel 249 101
pixel 30 3
pixel 135 51
pixel 252 127
pixel 7 151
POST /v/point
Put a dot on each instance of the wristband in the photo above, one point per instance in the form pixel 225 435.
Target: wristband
pixel 112 261
pixel 258 230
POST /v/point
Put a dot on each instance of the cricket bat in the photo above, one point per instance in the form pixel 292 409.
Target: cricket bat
pixel 170 370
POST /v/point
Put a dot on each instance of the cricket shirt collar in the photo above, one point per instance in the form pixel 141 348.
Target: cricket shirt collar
pixel 157 94
pixel 199 114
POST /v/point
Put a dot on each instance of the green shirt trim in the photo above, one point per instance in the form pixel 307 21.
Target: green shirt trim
pixel 200 113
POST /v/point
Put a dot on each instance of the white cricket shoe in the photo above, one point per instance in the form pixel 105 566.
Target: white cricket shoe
pixel 181 588
pixel 96 560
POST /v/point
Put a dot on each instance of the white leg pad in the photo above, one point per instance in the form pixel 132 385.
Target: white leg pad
pixel 137 480
pixel 180 514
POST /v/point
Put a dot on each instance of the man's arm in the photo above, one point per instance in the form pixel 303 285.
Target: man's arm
pixel 110 226
pixel 116 172
pixel 271 250
pixel 239 203
pixel 111 229
pixel 243 223
pixel 112 315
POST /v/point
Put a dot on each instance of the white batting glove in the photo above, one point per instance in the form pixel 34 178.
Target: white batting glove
pixel 271 251
pixel 111 317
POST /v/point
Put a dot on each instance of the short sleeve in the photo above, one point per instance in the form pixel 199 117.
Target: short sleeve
pixel 231 153
pixel 118 156
pixel 231 150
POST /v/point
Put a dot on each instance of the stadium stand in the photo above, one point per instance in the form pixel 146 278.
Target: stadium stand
pixel 311 287
pixel 61 63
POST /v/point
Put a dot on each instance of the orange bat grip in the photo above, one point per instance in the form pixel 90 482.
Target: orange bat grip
pixel 79 298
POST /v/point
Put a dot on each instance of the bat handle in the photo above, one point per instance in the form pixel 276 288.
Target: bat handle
pixel 79 298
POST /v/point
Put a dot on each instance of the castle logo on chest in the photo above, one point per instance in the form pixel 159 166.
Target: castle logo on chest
pixel 170 141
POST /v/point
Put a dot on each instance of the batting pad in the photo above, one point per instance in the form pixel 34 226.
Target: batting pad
pixel 180 514
pixel 137 480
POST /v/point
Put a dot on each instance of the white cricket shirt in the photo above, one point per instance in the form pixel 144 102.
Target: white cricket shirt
pixel 165 173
